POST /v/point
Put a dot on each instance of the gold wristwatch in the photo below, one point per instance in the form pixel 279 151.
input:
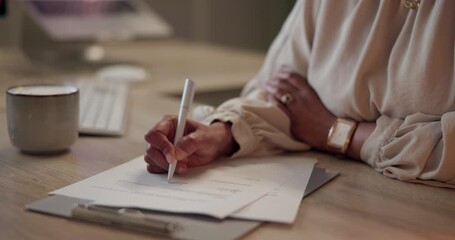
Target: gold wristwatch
pixel 340 135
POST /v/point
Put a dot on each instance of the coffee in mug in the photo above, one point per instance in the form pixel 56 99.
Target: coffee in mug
pixel 42 118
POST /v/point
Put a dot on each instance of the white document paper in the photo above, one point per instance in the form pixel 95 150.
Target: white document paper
pixel 279 205
pixel 290 173
pixel 209 192
pixel 219 190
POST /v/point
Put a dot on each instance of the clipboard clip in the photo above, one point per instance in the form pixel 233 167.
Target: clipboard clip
pixel 128 218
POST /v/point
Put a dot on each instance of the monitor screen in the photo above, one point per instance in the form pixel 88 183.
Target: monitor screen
pixel 82 8
pixel 74 20
pixel 2 7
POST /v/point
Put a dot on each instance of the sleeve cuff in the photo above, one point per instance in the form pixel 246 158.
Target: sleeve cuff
pixel 382 135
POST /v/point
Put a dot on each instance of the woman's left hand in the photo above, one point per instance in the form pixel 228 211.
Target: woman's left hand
pixel 310 119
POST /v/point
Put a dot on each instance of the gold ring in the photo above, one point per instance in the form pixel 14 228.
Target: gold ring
pixel 411 4
pixel 286 98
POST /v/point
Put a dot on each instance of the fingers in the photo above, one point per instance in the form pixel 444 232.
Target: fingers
pixel 152 167
pixel 285 82
pixel 161 151
pixel 185 147
pixel 278 88
pixel 198 146
pixel 280 82
pixel 292 79
pixel 296 80
pixel 186 150
pixel 160 137
pixel 158 164
pixel 156 157
pixel 166 126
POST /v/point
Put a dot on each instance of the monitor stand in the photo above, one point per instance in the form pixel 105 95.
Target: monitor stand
pixel 40 49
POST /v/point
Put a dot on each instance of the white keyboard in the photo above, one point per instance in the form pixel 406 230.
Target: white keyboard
pixel 102 107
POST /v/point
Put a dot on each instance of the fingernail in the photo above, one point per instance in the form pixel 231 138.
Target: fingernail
pixel 170 158
pixel 284 75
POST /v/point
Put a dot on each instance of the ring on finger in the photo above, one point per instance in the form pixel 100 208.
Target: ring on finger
pixel 286 98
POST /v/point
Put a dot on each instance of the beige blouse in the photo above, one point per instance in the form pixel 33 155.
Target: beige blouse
pixel 369 61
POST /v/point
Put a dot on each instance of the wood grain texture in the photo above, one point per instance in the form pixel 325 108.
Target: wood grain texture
pixel 358 204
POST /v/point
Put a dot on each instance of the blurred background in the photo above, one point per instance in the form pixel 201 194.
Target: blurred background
pixel 248 24
pixel 40 39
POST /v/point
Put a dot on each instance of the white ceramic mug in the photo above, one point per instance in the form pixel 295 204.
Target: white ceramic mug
pixel 42 118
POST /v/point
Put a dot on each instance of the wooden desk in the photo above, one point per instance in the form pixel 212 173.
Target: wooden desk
pixel 359 204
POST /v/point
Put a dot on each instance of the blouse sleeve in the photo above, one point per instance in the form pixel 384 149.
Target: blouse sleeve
pixel 259 126
pixel 420 148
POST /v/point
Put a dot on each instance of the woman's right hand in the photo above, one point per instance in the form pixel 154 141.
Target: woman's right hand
pixel 200 144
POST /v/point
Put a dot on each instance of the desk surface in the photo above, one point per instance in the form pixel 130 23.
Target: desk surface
pixel 359 204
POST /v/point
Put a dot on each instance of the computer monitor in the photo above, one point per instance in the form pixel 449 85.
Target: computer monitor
pixel 70 20
pixel 68 31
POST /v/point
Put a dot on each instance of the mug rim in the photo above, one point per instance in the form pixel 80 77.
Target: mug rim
pixel 41 84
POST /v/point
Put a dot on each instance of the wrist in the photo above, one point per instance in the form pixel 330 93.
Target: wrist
pixel 362 132
pixel 323 133
pixel 226 142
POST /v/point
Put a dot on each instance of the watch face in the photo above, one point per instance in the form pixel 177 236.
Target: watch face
pixel 340 134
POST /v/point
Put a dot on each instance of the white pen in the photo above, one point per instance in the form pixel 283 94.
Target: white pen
pixel 187 98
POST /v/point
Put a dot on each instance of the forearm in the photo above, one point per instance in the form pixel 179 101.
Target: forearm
pixel 227 145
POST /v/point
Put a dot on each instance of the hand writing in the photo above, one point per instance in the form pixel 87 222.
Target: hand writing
pixel 200 145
